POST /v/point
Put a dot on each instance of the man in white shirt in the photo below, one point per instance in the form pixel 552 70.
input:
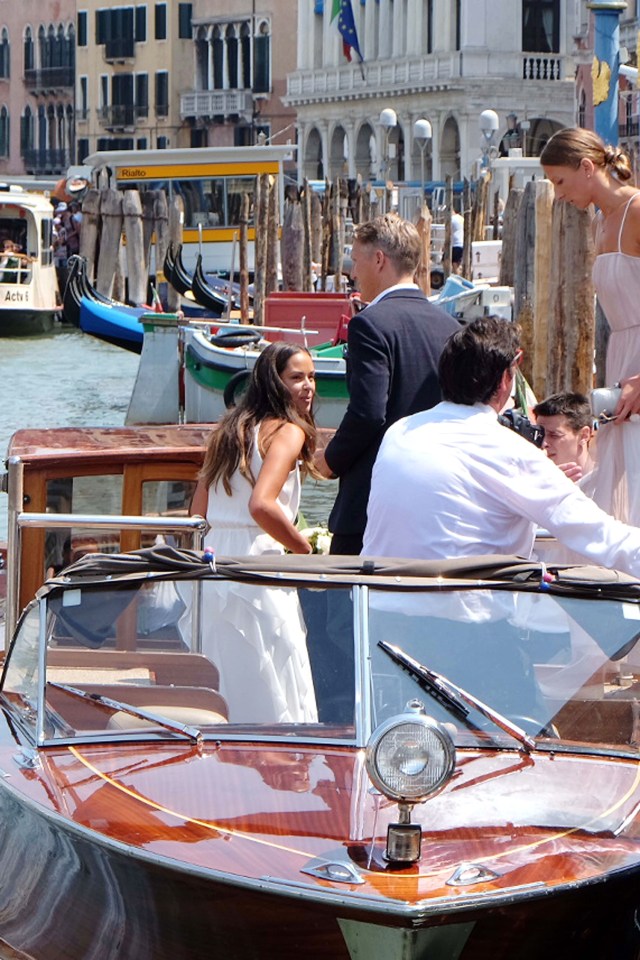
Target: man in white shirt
pixel 453 482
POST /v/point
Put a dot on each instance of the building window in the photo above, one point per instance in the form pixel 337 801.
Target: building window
pixel 142 95
pixel 83 98
pixel 4 132
pixel 141 24
pixel 162 143
pixel 82 28
pixel 541 26
pixel 4 54
pixel 582 110
pixel 161 21
pixel 29 59
pixel 162 93
pixel 262 59
pixel 115 29
pixel 141 143
pixel 184 21
pixel 26 131
pixel 83 149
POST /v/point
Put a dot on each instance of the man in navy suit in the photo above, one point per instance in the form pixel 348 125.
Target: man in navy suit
pixel 393 349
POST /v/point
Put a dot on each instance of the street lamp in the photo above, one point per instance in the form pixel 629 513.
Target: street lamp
pixel 388 120
pixel 422 134
pixel 489 124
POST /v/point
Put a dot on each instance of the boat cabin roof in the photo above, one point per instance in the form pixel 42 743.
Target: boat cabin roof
pixel 103 443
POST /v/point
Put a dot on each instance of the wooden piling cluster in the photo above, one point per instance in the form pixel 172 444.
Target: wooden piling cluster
pixel 547 255
pixel 553 290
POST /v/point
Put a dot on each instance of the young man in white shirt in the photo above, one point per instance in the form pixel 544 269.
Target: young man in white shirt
pixel 453 481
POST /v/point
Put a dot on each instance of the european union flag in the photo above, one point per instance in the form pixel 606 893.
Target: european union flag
pixel 347 27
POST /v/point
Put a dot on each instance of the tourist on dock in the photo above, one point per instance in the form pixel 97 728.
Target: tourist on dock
pixel 249 492
pixel 457 241
pixel 393 349
pixel 454 482
pixel 585 171
pixel 567 421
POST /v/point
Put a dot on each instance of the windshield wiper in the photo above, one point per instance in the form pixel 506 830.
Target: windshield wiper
pixel 450 695
pixel 173 725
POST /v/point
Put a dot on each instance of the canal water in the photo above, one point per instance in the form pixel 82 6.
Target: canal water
pixel 67 378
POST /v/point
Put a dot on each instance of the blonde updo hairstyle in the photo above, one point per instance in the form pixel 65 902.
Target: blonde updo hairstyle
pixel 569 147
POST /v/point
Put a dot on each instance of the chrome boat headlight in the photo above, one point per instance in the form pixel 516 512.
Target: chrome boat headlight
pixel 409 757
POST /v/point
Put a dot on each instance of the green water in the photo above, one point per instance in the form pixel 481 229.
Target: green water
pixel 68 378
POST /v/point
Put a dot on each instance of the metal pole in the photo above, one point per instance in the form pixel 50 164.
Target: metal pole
pixel 607 64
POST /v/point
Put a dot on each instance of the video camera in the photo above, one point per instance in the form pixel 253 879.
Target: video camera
pixel 522 425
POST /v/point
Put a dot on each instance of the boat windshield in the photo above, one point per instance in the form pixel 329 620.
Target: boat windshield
pixel 564 670
pixel 174 658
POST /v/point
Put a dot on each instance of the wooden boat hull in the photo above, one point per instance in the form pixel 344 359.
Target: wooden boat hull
pixel 209 372
pixel 113 862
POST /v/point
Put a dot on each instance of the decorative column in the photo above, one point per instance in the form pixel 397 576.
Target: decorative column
pixel 606 63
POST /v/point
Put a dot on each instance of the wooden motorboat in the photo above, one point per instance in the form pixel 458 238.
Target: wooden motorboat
pixel 470 787
pixel 217 366
pixel 28 281
pixel 113 471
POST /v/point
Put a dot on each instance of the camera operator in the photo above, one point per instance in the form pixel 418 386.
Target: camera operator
pixel 453 482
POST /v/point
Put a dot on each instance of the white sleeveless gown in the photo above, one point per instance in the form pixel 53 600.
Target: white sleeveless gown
pixel 616 277
pixel 256 636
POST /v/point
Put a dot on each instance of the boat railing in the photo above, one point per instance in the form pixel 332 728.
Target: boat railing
pixel 195 525
pixel 247 327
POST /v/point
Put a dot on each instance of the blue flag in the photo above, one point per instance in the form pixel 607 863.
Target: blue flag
pixel 347 27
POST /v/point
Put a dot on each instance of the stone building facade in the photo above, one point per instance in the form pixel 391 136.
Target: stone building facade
pixel 445 61
pixel 37 67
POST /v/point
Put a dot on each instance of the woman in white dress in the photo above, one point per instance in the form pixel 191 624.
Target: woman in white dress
pixel 249 492
pixel 584 171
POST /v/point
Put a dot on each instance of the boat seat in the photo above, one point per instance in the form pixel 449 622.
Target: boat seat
pixel 192 716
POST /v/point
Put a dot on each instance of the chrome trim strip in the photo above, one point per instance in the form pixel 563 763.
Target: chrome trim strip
pixel 15 490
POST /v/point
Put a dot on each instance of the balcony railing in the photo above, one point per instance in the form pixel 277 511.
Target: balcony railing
pixel 121 116
pixel 630 128
pixel 46 161
pixel 50 78
pixel 431 72
pixel 216 103
pixel 536 66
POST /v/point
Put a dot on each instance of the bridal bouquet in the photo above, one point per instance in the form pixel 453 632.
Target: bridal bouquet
pixel 318 537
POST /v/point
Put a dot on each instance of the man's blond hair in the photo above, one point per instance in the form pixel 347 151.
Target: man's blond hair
pixel 397 238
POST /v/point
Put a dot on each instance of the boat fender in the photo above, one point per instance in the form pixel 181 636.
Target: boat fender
pixel 237 381
pixel 235 338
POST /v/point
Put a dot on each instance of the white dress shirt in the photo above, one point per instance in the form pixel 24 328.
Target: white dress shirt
pixel 454 482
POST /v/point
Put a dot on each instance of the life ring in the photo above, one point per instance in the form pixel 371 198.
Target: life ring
pixel 235 338
pixel 233 386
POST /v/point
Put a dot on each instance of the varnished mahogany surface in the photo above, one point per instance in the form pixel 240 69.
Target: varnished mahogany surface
pixel 161 848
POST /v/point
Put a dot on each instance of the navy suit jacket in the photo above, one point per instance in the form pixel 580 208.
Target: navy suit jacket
pixel 393 350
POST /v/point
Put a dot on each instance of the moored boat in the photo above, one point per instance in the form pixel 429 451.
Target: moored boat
pixel 28 282
pixel 217 365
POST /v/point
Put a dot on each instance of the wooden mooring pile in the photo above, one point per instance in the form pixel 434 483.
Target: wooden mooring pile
pixel 547 256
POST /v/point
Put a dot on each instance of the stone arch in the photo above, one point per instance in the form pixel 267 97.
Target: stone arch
pixel 338 152
pixel 393 155
pixel 366 159
pixel 541 130
pixel 313 164
pixel 450 149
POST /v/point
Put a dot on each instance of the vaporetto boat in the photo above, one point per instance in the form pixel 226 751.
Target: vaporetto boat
pixel 216 367
pixel 27 274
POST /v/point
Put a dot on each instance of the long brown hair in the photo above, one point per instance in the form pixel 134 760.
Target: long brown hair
pixel 567 148
pixel 266 397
